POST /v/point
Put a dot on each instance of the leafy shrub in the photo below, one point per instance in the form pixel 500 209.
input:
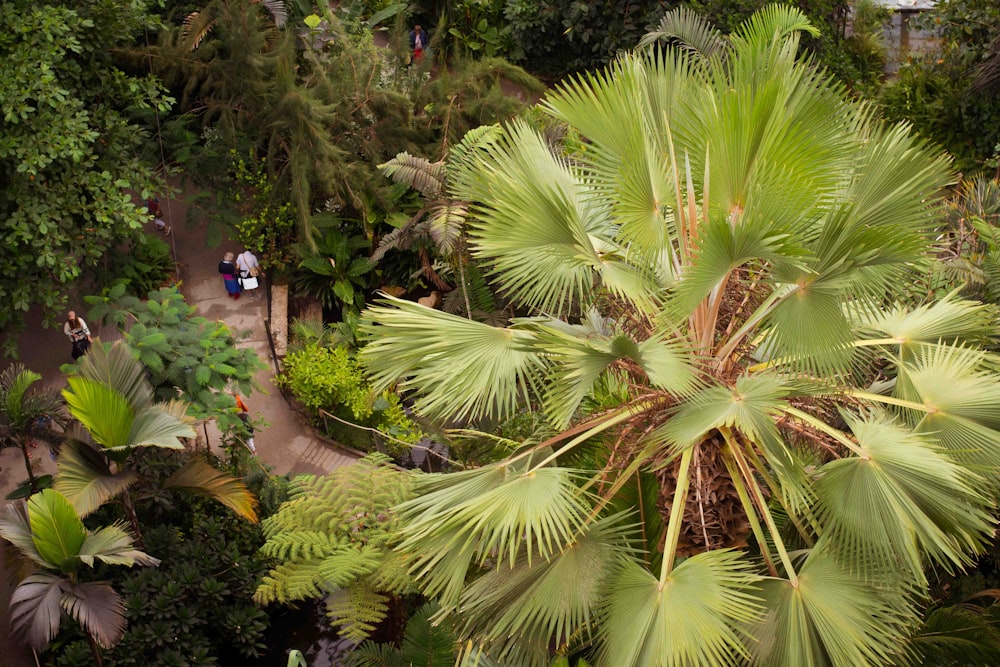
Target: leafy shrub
pixel 140 267
pixel 945 93
pixel 329 379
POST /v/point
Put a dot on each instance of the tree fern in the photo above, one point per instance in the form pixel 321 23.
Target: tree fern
pixel 334 539
pixel 357 610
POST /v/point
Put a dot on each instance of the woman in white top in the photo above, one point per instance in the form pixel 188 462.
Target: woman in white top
pixel 245 262
pixel 78 333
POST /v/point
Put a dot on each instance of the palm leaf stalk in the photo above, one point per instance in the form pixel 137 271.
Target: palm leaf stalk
pixel 726 248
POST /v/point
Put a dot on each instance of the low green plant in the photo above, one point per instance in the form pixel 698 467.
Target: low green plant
pixel 142 265
pixel 332 271
pixel 328 379
pixel 187 356
pixel 268 225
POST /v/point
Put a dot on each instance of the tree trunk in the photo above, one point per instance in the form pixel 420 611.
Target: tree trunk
pixel 23 444
pixel 132 519
pixel 95 650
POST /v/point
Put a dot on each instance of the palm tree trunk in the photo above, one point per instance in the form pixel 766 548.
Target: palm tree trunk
pixel 133 519
pixel 95 650
pixel 23 444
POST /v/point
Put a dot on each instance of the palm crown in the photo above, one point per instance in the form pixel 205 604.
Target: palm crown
pixel 789 448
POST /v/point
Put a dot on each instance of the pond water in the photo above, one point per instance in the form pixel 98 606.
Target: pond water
pixel 308 630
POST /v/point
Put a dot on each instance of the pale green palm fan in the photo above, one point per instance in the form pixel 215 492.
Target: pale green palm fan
pixel 741 229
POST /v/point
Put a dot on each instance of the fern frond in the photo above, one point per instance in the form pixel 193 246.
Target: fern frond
pixel 290 582
pixel 195 27
pixel 393 575
pixel 347 565
pixel 356 611
pixel 416 172
pixel 445 224
pixel 302 545
pixel 401 238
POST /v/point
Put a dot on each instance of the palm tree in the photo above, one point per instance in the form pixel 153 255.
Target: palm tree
pixel 113 400
pixel 707 280
pixel 48 532
pixel 21 409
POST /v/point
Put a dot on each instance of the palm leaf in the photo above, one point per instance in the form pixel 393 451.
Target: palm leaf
pixel 56 530
pixel 492 512
pixel 113 545
pixel 198 476
pixel 98 609
pixel 696 617
pixel 161 425
pixel 15 381
pixel 951 319
pixel 35 610
pixel 117 368
pixel 85 478
pixel 103 411
pixel 416 172
pixel 195 27
pixel 457 368
pixel 520 610
pixel 898 500
pixel 15 527
pixel 964 634
pixel 690 29
pixel 829 617
pixel 445 222
pixel 538 238
pixel 278 11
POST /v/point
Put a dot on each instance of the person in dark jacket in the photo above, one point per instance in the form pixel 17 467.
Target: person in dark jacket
pixel 230 275
pixel 418 42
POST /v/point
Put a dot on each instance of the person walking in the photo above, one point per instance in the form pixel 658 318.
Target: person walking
pixel 418 42
pixel 248 265
pixel 78 332
pixel 243 412
pixel 230 275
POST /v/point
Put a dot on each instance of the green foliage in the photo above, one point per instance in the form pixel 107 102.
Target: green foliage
pixel 473 28
pixel 268 226
pixel 186 355
pixel 329 379
pixel 67 147
pixel 424 644
pixel 48 533
pixel 555 37
pixel 943 92
pixel 143 265
pixel 331 271
pixel 335 538
pixel 196 608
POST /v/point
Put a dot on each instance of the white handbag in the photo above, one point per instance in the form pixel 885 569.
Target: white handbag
pixel 251 282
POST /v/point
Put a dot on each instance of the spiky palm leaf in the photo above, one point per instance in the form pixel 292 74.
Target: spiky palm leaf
pixel 86 479
pixel 200 477
pixel 690 29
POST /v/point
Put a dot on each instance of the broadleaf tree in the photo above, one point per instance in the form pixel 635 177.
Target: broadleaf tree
pixel 723 249
pixel 69 153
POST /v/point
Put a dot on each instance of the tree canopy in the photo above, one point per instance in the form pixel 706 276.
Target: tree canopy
pixel 68 151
